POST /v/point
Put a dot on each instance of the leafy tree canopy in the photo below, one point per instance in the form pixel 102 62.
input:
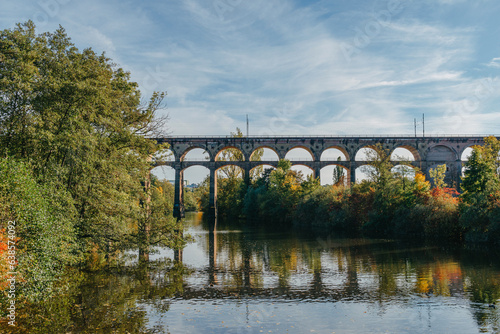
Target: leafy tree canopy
pixel 79 122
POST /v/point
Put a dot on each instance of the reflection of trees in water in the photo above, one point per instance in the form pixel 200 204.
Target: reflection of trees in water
pixel 107 301
pixel 482 286
pixel 372 271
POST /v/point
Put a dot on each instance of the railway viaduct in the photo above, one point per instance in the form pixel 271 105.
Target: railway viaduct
pixel 427 152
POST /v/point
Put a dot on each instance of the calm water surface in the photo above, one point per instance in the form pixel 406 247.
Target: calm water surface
pixel 250 281
pixel 241 280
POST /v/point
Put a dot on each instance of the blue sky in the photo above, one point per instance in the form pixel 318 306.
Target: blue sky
pixel 297 67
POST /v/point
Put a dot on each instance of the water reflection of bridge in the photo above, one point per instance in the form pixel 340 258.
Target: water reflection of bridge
pixel 370 272
pixel 427 152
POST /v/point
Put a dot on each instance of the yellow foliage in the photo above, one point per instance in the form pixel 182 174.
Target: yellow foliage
pixel 159 190
pixel 420 182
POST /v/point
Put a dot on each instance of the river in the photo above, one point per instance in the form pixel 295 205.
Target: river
pixel 249 280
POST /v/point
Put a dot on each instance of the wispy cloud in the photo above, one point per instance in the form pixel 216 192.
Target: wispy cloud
pixel 495 62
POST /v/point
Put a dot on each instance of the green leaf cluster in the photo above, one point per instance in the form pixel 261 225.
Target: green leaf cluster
pixel 44 227
pixel 276 193
pixel 480 204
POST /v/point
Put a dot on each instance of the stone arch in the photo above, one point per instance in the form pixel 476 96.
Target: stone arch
pixel 182 156
pixel 441 152
pixel 360 172
pixel 302 167
pixel 230 167
pixel 342 149
pixel 192 169
pixel 411 149
pixel 254 172
pixel 359 149
pixel 304 148
pixel 220 151
pixel 465 153
pixel 326 173
pixel 269 148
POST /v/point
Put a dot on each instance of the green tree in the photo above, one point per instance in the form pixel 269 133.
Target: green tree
pixel 45 241
pixel 79 122
pixel 164 228
pixel 480 173
pixel 389 192
pixel 338 174
pixel 480 206
pixel 379 165
pixel 437 175
pixel 191 202
pixel 274 196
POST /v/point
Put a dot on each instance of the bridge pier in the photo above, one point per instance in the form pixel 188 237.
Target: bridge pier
pixel 459 174
pixel 352 171
pixel 317 170
pixel 246 174
pixel 212 202
pixel 179 192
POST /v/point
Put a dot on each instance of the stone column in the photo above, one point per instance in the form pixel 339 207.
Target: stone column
pixel 317 170
pixel 352 170
pixel 246 173
pixel 212 204
pixel 459 174
pixel 179 192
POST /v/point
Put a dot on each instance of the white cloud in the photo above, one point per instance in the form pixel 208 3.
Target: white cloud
pixel 495 62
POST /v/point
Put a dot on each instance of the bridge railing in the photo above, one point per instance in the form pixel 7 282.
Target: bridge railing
pixel 430 135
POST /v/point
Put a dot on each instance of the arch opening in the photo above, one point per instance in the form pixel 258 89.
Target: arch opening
pixel 258 171
pixel 365 173
pixel 195 154
pixel 306 171
pixel 404 172
pixel 403 154
pixel 230 172
pixel 230 154
pixel 466 153
pixel 299 154
pixel 334 154
pixel 264 154
pixel 164 173
pixel 365 154
pixel 166 155
pixel 330 175
pixel 195 175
